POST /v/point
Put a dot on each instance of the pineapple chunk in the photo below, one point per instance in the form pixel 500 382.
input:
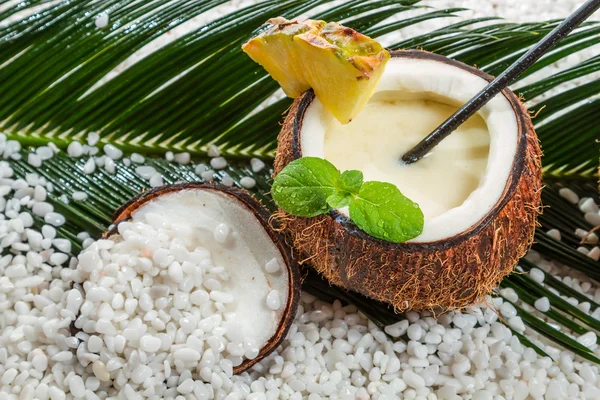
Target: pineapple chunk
pixel 341 65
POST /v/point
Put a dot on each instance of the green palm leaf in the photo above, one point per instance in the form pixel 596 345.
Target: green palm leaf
pixel 200 89
pixel 168 101
pixel 54 64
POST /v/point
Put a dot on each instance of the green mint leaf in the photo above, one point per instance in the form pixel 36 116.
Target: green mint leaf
pixel 383 212
pixel 304 185
pixel 339 199
pixel 351 181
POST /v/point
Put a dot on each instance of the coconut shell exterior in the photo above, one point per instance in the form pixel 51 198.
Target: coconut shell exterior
pixel 451 273
pixel 125 212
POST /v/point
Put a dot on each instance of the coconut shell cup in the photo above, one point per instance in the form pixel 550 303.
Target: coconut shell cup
pixel 451 273
pixel 244 199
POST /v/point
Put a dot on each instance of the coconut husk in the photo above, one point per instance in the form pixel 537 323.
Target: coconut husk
pixel 452 273
pixel 125 212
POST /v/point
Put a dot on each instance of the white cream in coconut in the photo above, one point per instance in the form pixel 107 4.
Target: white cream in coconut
pixel 193 282
pixel 461 180
pixel 237 242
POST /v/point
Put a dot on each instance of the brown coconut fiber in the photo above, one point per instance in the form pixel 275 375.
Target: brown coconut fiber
pixel 452 273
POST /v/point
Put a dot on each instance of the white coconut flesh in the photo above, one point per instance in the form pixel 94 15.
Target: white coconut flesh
pixel 460 181
pixel 257 275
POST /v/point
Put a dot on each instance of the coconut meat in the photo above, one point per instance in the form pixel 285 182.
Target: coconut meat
pixel 461 180
pixel 236 241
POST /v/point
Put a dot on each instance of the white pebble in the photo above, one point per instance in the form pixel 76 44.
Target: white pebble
pixel 42 209
pixel 537 275
pixel 554 233
pixel 398 329
pixel 594 254
pixel 79 196
pixel 569 195
pixel 182 158
pixel 227 180
pixel 221 233
pixel 101 21
pixel 589 206
pixel 100 371
pixel 218 163
pixel 89 167
pixel 256 164
pixel 58 258
pixel 213 151
pixel 76 386
pixel 272 266
pixel 34 160
pixel 542 304
pixel 186 355
pixel 507 310
pixel 222 297
pixel 592 218
pixel 75 150
pixel 156 180
pixel 55 219
pixel 247 182
pixel 273 300
pixel 587 339
pixel 137 158
pixel 145 172
pixel 63 245
pixel 150 344
pixel 415 332
pixel 207 175
pixel 516 323
pixel 112 152
pixel 413 380
pixel 110 166
pixel 44 152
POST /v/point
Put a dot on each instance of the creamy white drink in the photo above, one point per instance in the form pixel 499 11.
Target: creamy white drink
pixel 461 180
pixel 376 139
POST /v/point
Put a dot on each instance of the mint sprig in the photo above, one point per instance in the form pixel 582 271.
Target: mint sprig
pixel 311 186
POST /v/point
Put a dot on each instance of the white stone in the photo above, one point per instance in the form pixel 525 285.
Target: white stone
pixel 273 300
pixel 112 152
pixel 150 344
pixel 247 182
pixel 272 266
pixel 588 339
pixel 101 21
pixel 569 195
pixel 537 275
pixel 75 149
pixel 554 233
pixel 592 218
pixel 218 163
pixel 182 158
pixel 256 164
pixel 589 206
pixel 213 151
pixel 542 304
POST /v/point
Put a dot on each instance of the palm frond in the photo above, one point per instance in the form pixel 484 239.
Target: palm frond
pixel 169 100
pixel 54 68
pixel 554 335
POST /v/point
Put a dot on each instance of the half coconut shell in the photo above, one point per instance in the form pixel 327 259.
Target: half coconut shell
pixel 250 205
pixel 451 273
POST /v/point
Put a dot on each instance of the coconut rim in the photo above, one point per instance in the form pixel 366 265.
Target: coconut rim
pixel 271 228
pixel 511 183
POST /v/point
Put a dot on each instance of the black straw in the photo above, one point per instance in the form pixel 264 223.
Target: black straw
pixel 502 81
